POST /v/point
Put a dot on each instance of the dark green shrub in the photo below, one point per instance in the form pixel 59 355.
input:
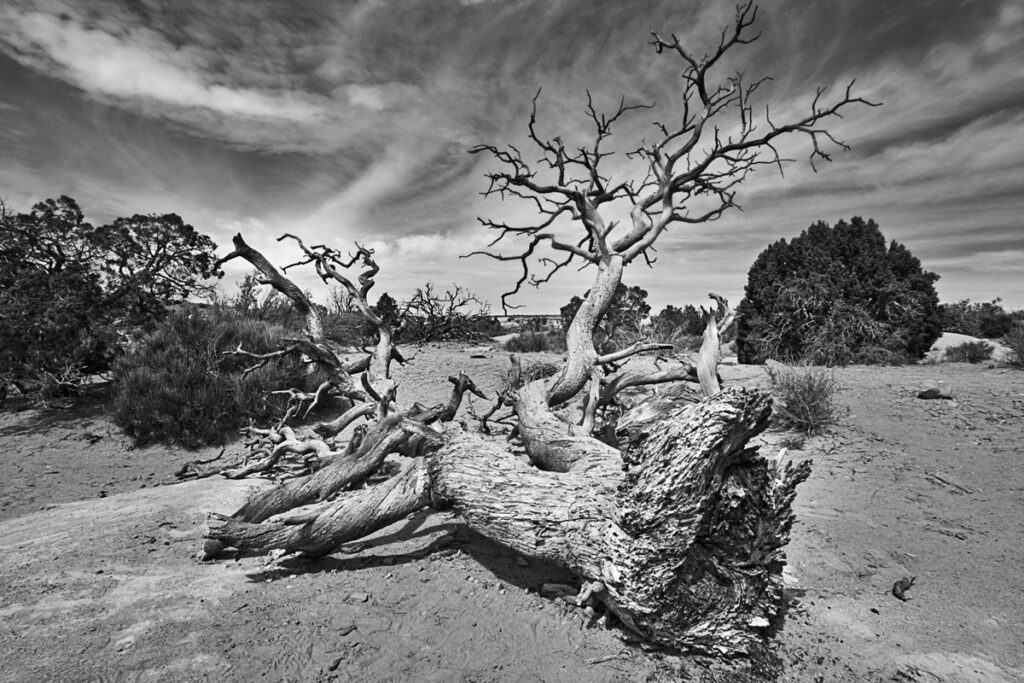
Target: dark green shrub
pixel 177 385
pixel 804 398
pixel 988 320
pixel 71 292
pixel 970 352
pixel 533 342
pixel 837 295
pixel 1014 340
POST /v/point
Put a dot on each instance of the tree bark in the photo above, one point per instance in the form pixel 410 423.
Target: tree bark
pixel 579 338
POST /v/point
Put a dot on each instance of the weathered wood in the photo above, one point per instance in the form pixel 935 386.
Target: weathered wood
pixel 396 433
pixel 350 517
pixel 579 338
pixel 683 532
pixel 678 540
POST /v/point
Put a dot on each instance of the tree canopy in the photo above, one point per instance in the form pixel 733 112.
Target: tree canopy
pixel 835 295
pixel 673 320
pixel 69 289
pixel 989 319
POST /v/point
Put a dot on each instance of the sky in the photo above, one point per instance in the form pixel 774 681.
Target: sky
pixel 350 121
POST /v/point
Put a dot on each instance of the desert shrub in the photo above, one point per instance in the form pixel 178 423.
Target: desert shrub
pixel 1014 340
pixel 71 292
pixel 538 370
pixel 348 328
pixel 970 352
pixel 534 342
pixel 177 385
pixel 838 295
pixel 681 327
pixel 989 320
pixel 455 314
pixel 805 398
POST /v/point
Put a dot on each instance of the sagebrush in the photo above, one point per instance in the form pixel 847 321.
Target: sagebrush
pixel 535 342
pixel 970 352
pixel 177 385
pixel 805 398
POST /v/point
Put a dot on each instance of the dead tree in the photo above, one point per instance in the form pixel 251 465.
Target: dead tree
pixel 674 525
pixel 431 315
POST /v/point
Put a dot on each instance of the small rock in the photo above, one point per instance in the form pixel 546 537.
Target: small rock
pixel 933 390
pixel 358 597
pixel 522 561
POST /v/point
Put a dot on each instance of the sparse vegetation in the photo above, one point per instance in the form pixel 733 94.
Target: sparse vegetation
pixel 970 352
pixel 681 327
pixel 455 314
pixel 178 386
pixel 805 398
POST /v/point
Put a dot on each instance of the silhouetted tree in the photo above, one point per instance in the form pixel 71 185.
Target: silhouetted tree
pixel 388 310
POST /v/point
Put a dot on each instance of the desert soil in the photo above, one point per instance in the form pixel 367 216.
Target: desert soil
pixel 99 580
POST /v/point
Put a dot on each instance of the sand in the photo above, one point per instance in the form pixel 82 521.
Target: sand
pixel 100 581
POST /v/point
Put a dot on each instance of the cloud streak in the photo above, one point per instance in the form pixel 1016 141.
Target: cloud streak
pixel 350 121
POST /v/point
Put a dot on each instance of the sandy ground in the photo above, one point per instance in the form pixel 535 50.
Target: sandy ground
pixel 99 582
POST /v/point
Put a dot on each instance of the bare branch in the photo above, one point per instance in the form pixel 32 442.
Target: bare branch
pixel 314 326
pixel 632 350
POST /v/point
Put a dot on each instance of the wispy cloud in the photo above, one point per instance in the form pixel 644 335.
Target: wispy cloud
pixel 140 65
pixel 350 121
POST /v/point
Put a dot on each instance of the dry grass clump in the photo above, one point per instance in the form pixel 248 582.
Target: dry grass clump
pixel 535 342
pixel 805 398
pixel 538 370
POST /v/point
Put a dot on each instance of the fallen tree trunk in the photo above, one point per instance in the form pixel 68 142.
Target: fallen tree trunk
pixel 399 432
pixel 681 536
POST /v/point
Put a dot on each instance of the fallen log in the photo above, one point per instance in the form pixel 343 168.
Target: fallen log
pixel 681 536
